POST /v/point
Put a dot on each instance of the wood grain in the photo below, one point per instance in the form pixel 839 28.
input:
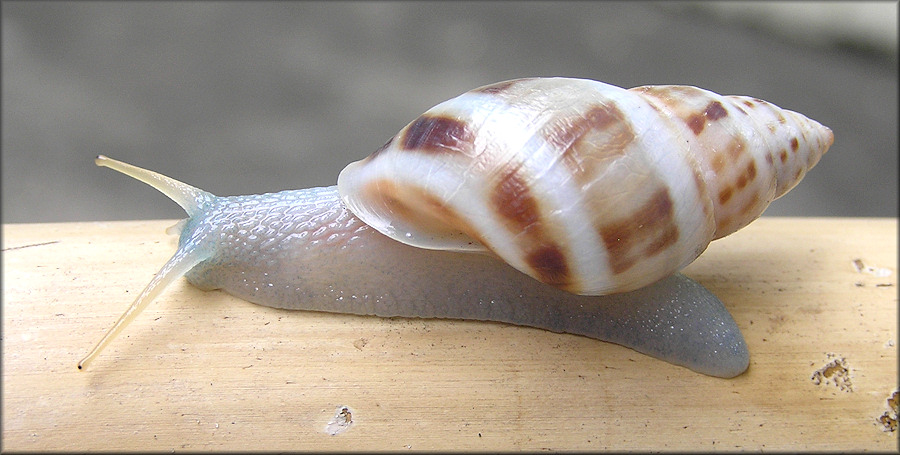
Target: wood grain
pixel 204 371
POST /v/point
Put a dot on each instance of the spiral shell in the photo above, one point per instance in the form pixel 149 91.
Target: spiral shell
pixel 582 185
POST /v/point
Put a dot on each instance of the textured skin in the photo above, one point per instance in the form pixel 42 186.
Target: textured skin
pixel 303 250
pixel 582 185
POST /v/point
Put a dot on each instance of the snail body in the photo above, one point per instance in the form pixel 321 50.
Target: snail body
pixel 584 200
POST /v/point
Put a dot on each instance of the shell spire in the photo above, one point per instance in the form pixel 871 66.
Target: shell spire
pixel 586 186
pixel 751 151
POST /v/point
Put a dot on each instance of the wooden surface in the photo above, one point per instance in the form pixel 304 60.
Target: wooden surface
pixel 205 371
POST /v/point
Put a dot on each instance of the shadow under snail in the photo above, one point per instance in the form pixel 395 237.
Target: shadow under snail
pixel 564 204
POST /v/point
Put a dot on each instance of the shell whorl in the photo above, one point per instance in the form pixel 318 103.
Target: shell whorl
pixel 583 185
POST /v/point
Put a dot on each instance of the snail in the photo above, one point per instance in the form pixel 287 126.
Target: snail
pixel 558 203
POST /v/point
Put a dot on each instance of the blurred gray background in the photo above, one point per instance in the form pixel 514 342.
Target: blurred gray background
pixel 239 98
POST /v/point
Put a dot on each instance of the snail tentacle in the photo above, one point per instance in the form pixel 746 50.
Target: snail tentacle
pixel 190 198
pixel 185 258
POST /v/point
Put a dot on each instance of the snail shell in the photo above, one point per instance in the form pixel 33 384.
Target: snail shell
pixel 580 184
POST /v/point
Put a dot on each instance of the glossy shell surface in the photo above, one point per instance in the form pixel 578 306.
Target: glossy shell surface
pixel 582 185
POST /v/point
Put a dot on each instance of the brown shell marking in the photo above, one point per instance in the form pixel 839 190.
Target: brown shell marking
pixel 415 206
pixel 588 141
pixel 647 232
pixel 741 181
pixel 697 121
pixel 512 200
pixel 438 134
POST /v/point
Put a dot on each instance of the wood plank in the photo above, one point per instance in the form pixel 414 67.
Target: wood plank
pixel 205 371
